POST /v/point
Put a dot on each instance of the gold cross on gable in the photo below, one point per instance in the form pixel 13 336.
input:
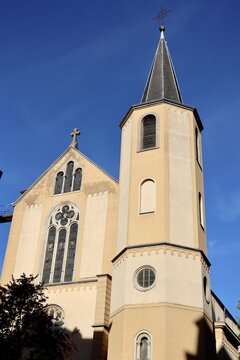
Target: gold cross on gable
pixel 74 135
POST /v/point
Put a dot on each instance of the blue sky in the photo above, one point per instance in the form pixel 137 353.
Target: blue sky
pixel 67 64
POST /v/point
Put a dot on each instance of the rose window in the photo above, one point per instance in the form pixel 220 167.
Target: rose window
pixel 64 215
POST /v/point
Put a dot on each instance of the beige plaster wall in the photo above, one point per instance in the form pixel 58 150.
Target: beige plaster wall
pixel 94 234
pixel 27 244
pixel 172 165
pixel 78 302
pixel 176 332
pixel 179 278
pixel 180 178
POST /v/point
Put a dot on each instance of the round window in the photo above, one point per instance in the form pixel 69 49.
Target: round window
pixel 145 278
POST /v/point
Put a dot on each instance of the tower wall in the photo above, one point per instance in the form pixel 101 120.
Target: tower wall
pixel 161 229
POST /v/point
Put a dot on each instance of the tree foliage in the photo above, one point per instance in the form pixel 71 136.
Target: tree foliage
pixel 26 328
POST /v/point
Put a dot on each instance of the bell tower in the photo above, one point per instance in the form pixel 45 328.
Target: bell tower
pixel 160 305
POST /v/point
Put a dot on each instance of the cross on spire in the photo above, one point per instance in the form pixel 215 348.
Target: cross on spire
pixel 75 133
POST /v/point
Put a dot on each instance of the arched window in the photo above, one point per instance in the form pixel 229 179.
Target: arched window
pixel 59 256
pixel 61 245
pixel 143 347
pixel 77 179
pixel 49 254
pixel 71 252
pixel 201 211
pixel 59 183
pixel 68 179
pixel 148 132
pixel 57 314
pixel 147 196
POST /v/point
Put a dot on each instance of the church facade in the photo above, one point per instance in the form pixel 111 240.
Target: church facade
pixel 125 263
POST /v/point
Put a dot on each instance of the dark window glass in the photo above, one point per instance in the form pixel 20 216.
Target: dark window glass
pixel 49 255
pixel 77 180
pixel 71 252
pixel 145 277
pixel 59 255
pixel 144 349
pixel 148 132
pixel 68 177
pixel 59 183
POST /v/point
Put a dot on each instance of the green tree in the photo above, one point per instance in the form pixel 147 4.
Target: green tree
pixel 26 328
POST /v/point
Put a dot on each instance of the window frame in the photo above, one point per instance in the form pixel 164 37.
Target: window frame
pixel 140 212
pixel 135 278
pixel 137 342
pixel 140 133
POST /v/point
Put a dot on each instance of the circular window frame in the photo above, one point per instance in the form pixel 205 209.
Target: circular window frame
pixel 135 278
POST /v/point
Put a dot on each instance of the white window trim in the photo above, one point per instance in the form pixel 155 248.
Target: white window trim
pixel 137 286
pixel 137 341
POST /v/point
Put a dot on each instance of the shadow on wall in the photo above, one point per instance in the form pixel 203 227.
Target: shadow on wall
pixel 89 349
pixel 206 348
pixel 223 355
pixel 82 347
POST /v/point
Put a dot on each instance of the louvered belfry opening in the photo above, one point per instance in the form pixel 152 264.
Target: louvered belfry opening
pixel 148 132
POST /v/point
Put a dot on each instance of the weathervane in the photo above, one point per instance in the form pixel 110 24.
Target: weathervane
pixel 162 14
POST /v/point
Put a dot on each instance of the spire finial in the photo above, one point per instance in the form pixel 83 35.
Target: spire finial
pixel 74 135
pixel 162 29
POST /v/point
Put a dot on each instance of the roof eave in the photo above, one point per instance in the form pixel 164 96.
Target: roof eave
pixel 163 101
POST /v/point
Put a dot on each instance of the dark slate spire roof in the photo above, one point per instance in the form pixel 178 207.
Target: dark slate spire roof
pixel 162 81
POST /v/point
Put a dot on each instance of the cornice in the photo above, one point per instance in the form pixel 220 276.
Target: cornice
pixel 163 101
pixel 165 247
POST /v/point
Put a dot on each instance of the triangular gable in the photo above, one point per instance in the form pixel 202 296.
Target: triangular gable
pixel 71 148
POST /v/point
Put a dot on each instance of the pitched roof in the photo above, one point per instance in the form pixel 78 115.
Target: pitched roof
pixel 162 81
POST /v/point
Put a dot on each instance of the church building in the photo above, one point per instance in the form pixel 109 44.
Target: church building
pixel 125 262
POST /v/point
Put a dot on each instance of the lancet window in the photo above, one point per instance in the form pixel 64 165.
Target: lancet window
pixel 68 180
pixel 61 245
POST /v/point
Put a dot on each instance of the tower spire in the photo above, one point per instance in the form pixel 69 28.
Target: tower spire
pixel 162 81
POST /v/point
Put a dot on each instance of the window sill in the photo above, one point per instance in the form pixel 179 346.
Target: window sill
pixel 148 149
pixel 147 213
pixel 66 193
